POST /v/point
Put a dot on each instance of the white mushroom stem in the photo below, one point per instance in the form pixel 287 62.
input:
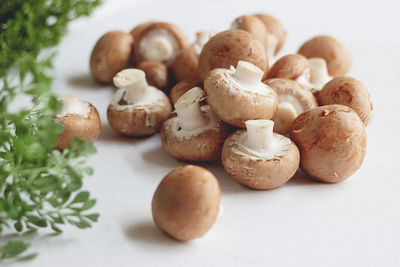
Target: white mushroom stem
pixel 201 39
pixel 159 48
pixel 259 134
pixel 72 105
pixel 188 110
pixel 272 43
pixel 318 72
pixel 134 82
pixel 248 73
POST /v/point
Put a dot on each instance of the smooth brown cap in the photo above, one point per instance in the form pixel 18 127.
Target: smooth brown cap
pixel 274 27
pixel 288 67
pixel 156 74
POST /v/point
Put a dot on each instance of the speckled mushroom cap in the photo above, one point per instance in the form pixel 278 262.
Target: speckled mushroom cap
pixel 350 92
pixel 275 28
pixel 186 202
pixel 293 100
pixel 256 169
pixel 77 126
pixel 332 142
pixel 252 25
pixel 288 67
pixel 337 57
pixel 226 48
pixel 163 50
pixel 238 98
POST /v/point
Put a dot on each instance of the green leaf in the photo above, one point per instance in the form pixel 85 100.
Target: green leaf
pixel 13 249
pixel 93 217
pixel 80 197
pixel 35 220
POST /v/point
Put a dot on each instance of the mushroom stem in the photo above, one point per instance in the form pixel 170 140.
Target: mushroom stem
pixel 248 73
pixel 188 110
pixel 318 72
pixel 272 43
pixel 259 134
pixel 135 84
pixel 72 105
pixel 158 48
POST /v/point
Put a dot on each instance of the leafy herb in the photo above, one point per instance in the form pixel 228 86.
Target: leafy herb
pixel 39 186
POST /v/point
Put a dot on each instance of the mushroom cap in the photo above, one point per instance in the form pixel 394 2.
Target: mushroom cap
pixel 337 57
pixel 226 48
pixel 292 92
pixel 156 74
pixel 288 67
pixel 173 30
pixel 185 204
pixel 234 105
pixel 274 27
pixel 252 25
pixel 140 120
pixel 111 54
pixel 332 142
pixel 77 126
pixel 257 172
pixel 139 28
pixel 350 92
pixel 203 147
pixel 182 87
pixel 185 65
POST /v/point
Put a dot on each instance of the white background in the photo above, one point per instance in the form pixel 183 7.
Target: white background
pixel 303 223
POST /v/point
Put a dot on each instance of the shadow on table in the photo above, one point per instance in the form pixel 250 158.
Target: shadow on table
pixel 84 81
pixel 109 135
pixel 147 232
pixel 301 179
pixel 159 157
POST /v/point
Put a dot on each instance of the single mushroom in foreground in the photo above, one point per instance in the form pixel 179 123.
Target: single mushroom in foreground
pixel 156 74
pixel 110 55
pixel 259 158
pixel 350 92
pixel 80 120
pixel 227 48
pixel 276 34
pixel 238 94
pixel 196 134
pixel 137 109
pixel 293 100
pixel 332 142
pixel 186 203
pixel 158 41
pixel 311 73
pixel 180 88
pixel 337 57
pixel 185 64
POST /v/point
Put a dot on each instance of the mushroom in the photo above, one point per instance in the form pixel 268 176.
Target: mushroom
pixel 259 158
pixel 293 100
pixel 80 120
pixel 350 92
pixel 332 142
pixel 238 95
pixel 156 74
pixel 196 134
pixel 226 48
pixel 111 54
pixel 255 27
pixel 137 109
pixel 158 41
pixel 311 73
pixel 276 34
pixel 337 57
pixel 185 64
pixel 186 203
pixel 180 88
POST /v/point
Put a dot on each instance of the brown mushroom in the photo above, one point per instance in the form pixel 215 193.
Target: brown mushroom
pixel 137 109
pixel 332 142
pixel 186 203
pixel 182 87
pixel 259 158
pixel 293 100
pixel 80 119
pixel 160 42
pixel 337 57
pixel 289 67
pixel 276 32
pixel 350 92
pixel 156 74
pixel 238 95
pixel 110 55
pixel 196 134
pixel 226 49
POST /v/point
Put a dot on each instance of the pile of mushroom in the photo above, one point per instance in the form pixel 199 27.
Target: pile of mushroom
pixel 299 111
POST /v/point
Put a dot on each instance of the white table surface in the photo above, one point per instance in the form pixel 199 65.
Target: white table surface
pixel 303 223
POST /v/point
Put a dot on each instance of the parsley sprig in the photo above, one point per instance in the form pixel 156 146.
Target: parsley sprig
pixel 39 187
